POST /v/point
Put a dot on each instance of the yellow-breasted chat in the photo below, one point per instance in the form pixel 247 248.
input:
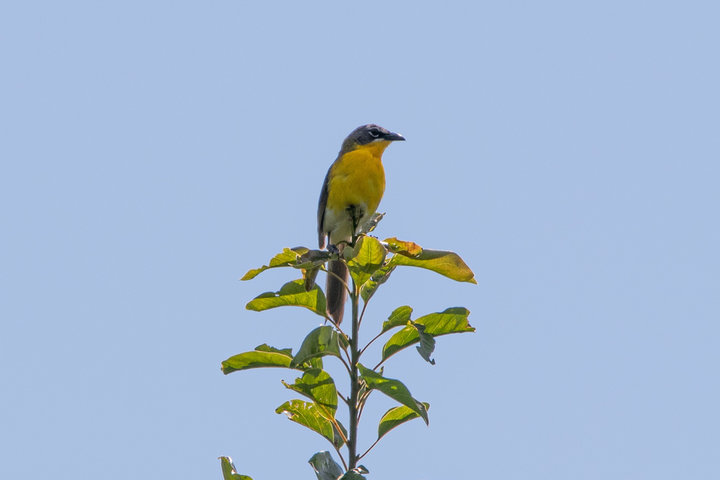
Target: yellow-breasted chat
pixel 350 195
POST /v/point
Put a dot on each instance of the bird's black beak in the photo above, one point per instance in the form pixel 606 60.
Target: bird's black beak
pixel 394 137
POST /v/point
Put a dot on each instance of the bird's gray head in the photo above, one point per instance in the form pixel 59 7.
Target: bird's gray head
pixel 367 134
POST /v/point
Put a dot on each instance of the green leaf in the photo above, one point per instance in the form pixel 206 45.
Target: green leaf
pixel 267 348
pixel 367 256
pixel 427 343
pixel 228 470
pixel 310 263
pixel 444 263
pixel 309 276
pixel 286 258
pixel 313 258
pixel 353 474
pixel 291 294
pixel 451 320
pixel 318 386
pixel 309 415
pixel 325 467
pixel 315 363
pixel 410 249
pixel 397 416
pixel 399 317
pixel 262 356
pixel 322 341
pixel 380 276
pixel 393 389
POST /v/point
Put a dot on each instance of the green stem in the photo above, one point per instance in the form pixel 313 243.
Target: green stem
pixel 371 341
pixel 368 450
pixel 341 457
pixel 354 400
pixel 353 403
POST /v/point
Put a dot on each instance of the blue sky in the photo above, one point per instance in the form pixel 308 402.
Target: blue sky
pixel 152 152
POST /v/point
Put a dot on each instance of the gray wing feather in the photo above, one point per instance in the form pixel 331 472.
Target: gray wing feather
pixel 322 203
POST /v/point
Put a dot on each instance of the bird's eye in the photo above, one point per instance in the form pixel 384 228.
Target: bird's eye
pixel 374 132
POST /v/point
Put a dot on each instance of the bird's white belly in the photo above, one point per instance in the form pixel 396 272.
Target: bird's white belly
pixel 339 223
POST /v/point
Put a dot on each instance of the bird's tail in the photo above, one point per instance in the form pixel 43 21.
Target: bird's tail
pixel 335 290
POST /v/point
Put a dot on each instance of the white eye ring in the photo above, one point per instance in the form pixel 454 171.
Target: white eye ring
pixel 374 133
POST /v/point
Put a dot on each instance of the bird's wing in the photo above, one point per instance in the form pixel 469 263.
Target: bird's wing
pixel 322 203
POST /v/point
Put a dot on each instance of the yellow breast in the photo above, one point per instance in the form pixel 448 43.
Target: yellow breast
pixel 357 178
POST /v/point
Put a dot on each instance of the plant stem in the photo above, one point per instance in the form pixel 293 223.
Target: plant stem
pixel 341 457
pixel 353 403
pixel 368 450
pixel 371 341
pixel 354 400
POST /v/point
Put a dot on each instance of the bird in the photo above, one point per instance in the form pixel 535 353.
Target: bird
pixel 350 195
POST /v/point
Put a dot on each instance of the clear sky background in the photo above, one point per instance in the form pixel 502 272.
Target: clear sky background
pixel 152 152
